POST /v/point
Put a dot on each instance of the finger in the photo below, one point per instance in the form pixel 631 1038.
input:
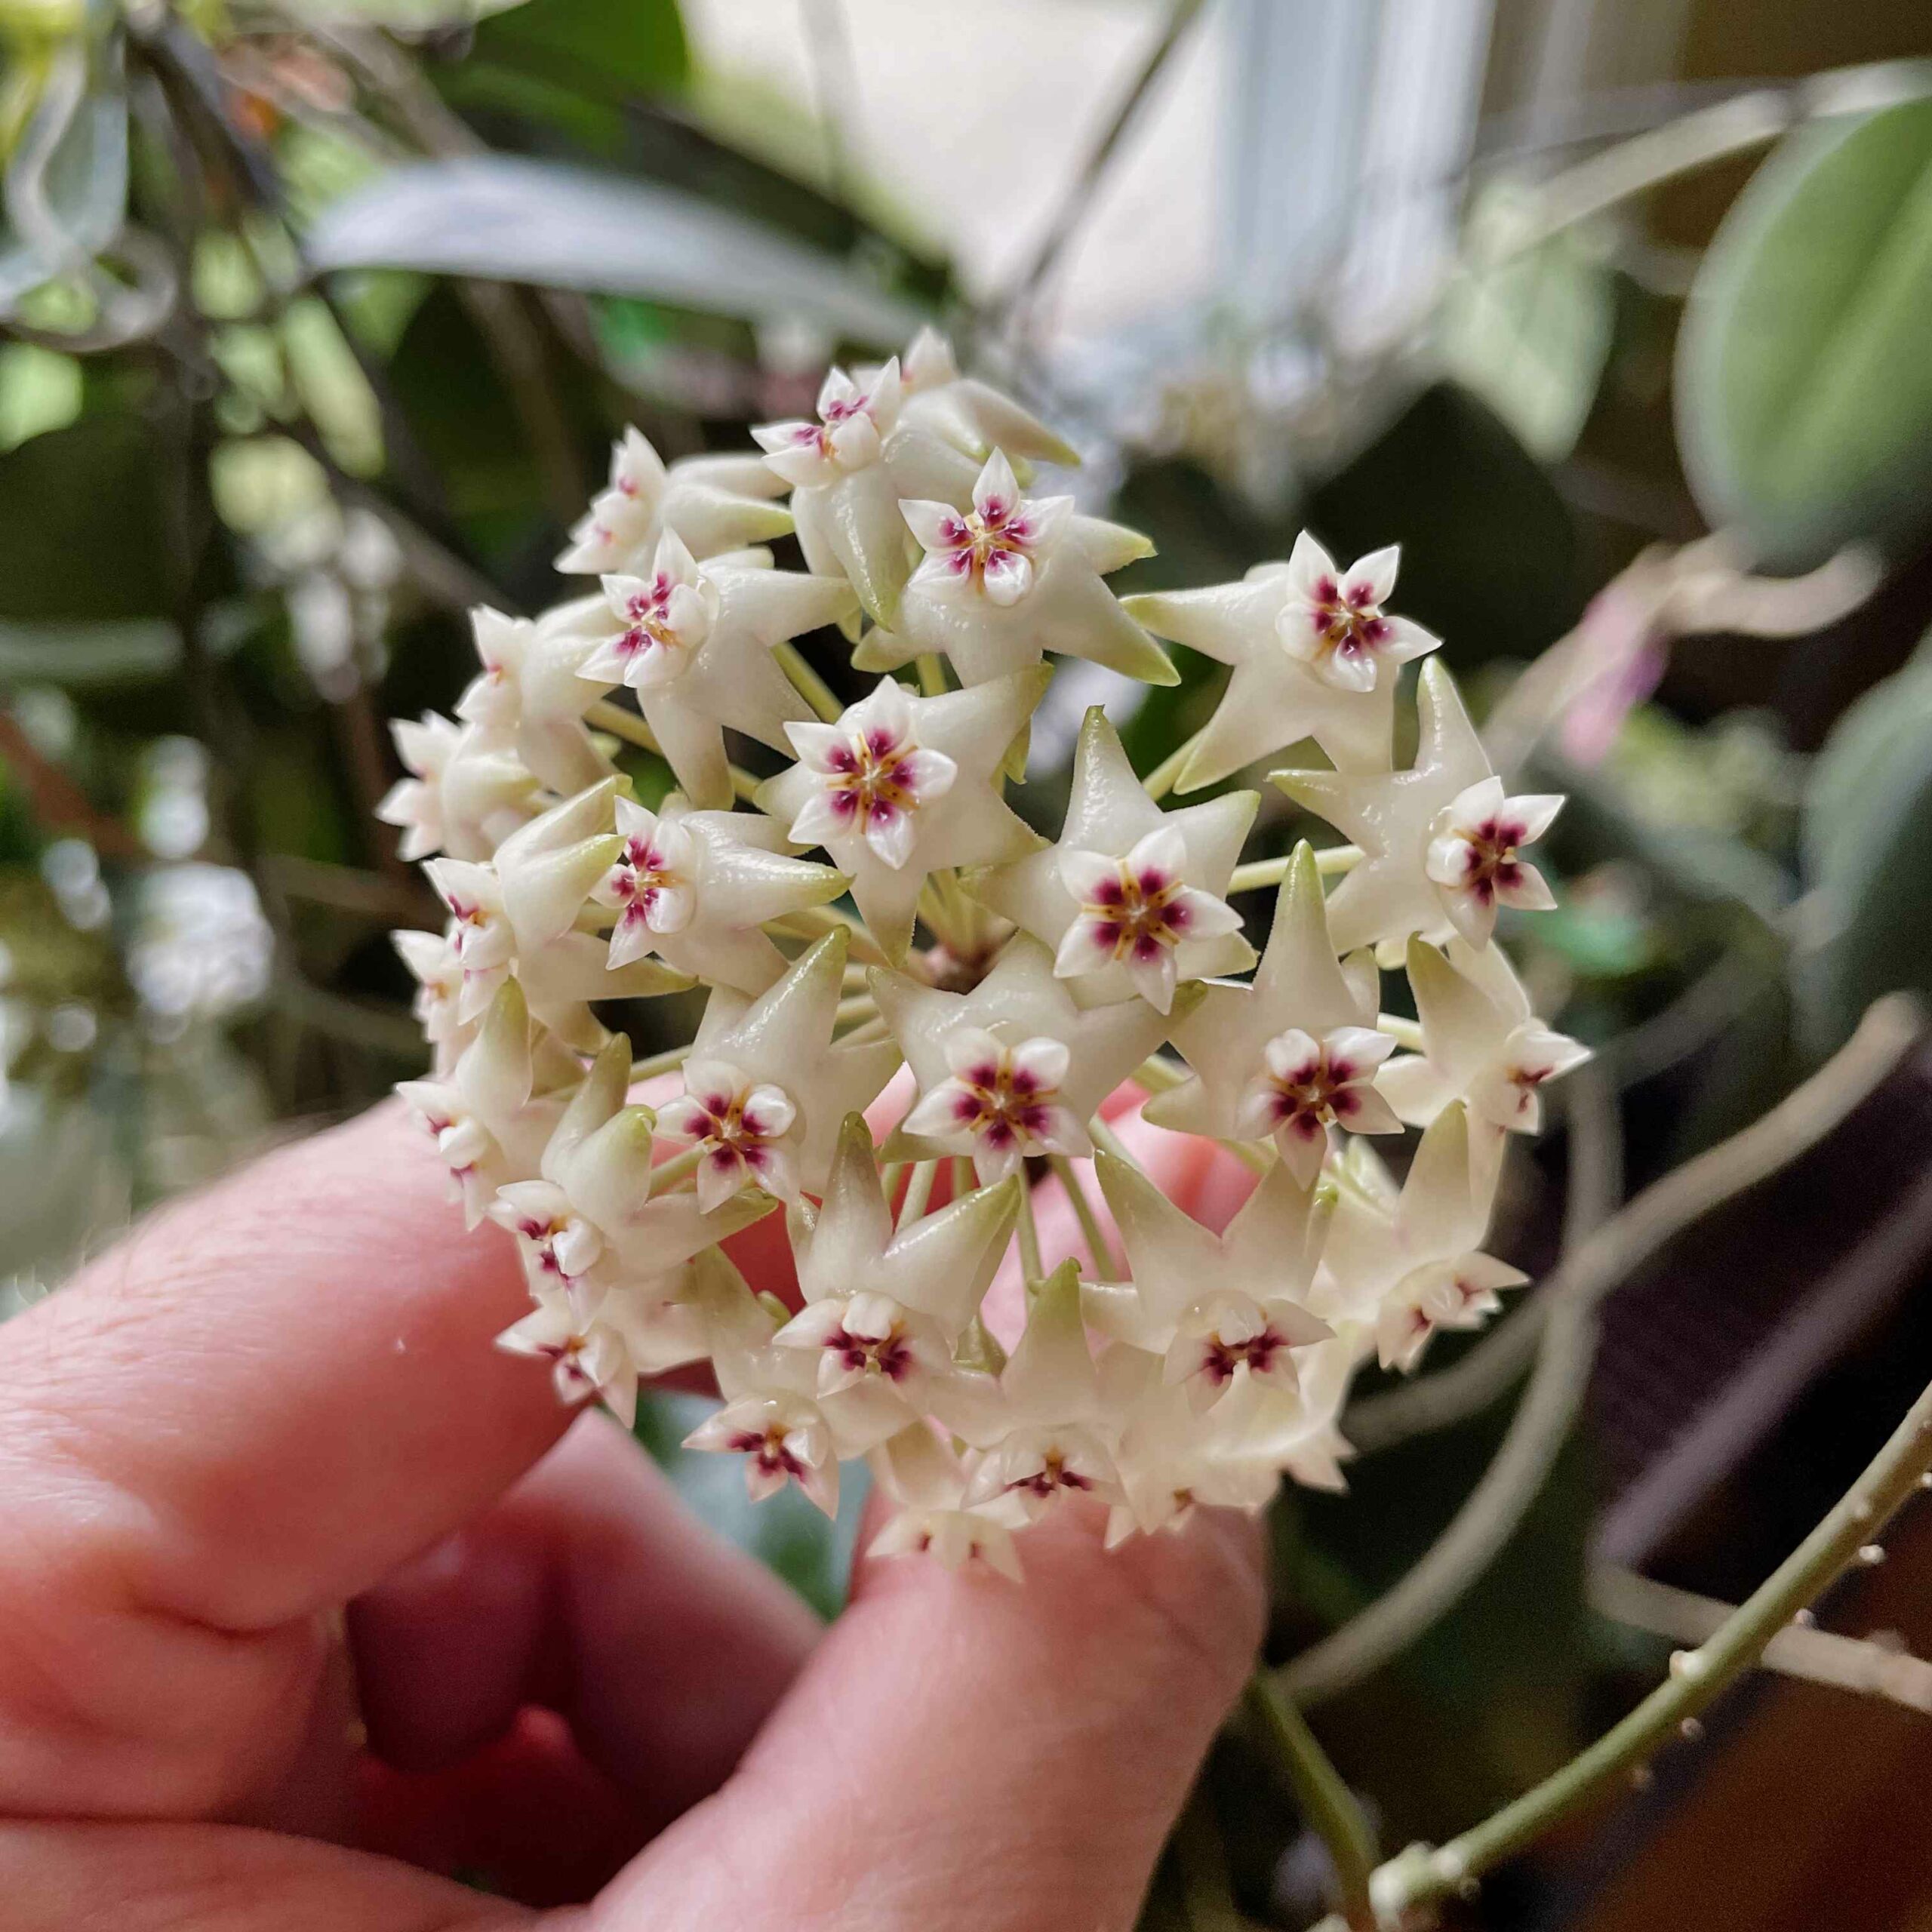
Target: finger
pixel 261 1402
pixel 970 1756
pixel 590 1589
pixel 161 1877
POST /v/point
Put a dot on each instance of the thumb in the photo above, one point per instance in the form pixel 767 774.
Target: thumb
pixel 965 1754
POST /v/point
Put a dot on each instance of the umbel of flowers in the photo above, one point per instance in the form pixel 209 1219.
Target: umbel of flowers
pixel 912 998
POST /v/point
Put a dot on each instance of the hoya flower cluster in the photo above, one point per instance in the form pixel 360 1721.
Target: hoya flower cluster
pixel 915 1005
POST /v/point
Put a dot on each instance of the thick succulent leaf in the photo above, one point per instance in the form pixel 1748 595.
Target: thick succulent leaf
pixel 506 218
pixel 1868 854
pixel 1804 392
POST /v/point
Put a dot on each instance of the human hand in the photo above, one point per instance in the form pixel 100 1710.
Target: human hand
pixel 279 1399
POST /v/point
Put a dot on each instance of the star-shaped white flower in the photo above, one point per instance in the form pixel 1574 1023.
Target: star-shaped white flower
pixel 1223 1309
pixel 1040 1427
pixel 1481 1044
pixel 1294 1053
pixel 1313 657
pixel 1474 859
pixel 926 1480
pixel 696 887
pixel 589 1219
pixel 884 437
pixel 995 548
pixel 1009 577
pixel 1435 856
pixel 886 1304
pixel 783 1438
pixel 480 934
pixel 529 694
pixel 1015 1067
pixel 694 641
pixel 466 789
pixel 1333 619
pixel 492 1116
pixel 588 1350
pixel 710 503
pixel 1173 1457
pixel 1130 897
pixel 765 1088
pixel 773 1416
pixel 506 915
pixel 965 414
pixel 1413 1264
pixel 902 786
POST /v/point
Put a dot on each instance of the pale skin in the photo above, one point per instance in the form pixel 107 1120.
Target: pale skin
pixel 268 1490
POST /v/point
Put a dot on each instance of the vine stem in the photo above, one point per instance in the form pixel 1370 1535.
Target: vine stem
pixel 1845 1537
pixel 1094 1234
pixel 1257 872
pixel 1865 1665
pixel 807 683
pixel 919 1191
pixel 1028 1232
pixel 1326 1801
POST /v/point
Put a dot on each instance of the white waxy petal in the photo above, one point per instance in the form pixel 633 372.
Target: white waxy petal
pixel 927 774
pixel 1375 573
pixel 1347 670
pixel 1007 577
pixel 1309 565
pixel 890 832
pixel 996 492
pixel 937 526
pixel 1041 1062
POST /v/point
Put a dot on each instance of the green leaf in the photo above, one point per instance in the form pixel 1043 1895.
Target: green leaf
pixel 1530 334
pixel 504 218
pixel 604 47
pixel 1804 388
pixel 1868 854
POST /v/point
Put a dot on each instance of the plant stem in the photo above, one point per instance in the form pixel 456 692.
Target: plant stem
pixel 1271 872
pixel 1420 1874
pixel 1160 781
pixel 807 683
pixel 858 1006
pixel 1860 1664
pixel 919 1191
pixel 668 1176
pixel 1091 1231
pixel 1071 210
pixel 932 674
pixel 667 1062
pixel 1404 1033
pixel 1326 1801
pixel 815 922
pixel 1028 1230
